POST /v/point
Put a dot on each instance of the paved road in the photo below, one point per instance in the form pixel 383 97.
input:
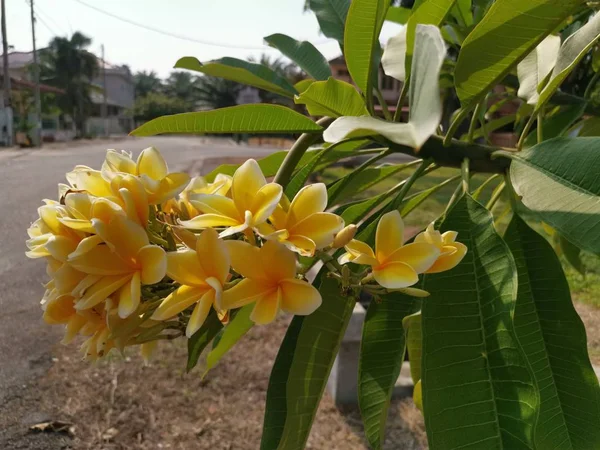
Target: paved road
pixel 25 342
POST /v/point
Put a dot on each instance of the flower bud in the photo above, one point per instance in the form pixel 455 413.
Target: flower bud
pixel 344 236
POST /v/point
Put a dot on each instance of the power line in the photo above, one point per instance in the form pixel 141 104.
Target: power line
pixel 38 17
pixel 48 17
pixel 168 33
pixel 181 36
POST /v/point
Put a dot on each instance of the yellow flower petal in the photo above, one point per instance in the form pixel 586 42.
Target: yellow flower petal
pixel 321 228
pixel 359 253
pixel 104 210
pixel 151 163
pixel 301 245
pixel 395 275
pixel 184 267
pixel 60 247
pixel 119 162
pixel 169 187
pixel 59 310
pixel 129 296
pixel 153 262
pixel 216 204
pixel 177 301
pixel 84 284
pixel 245 292
pixel 309 200
pixel 147 349
pixel 299 297
pixel 101 261
pixel 85 245
pixel 200 313
pixel 74 325
pixel 266 308
pixel 265 202
pixel 449 261
pixel 87 179
pixel 101 291
pixel 278 261
pixel 134 196
pixel 389 236
pixel 246 260
pixel 449 237
pixel 127 236
pixel 419 255
pixel 209 221
pixel 79 205
pixel 247 180
pixel 213 255
pixel 66 278
pixel 78 224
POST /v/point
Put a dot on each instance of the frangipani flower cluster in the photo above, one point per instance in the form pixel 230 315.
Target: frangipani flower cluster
pixel 136 253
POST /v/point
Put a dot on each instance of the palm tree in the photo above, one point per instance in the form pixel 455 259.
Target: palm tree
pixel 67 64
pixel 147 82
pixel 213 92
pixel 287 70
pixel 183 86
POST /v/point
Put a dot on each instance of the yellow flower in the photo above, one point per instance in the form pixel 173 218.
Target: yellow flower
pixel 202 274
pixel 344 236
pixel 252 202
pixel 198 185
pixel 303 226
pixel 269 281
pixel 84 178
pixel 126 261
pixel 394 265
pixel 152 170
pixel 451 252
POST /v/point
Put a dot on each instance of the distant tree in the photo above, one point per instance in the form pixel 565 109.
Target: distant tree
pixel 67 64
pixel 156 104
pixel 213 92
pixel 287 70
pixel 183 86
pixel 146 82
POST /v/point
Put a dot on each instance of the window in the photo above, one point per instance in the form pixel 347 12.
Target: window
pixel 387 83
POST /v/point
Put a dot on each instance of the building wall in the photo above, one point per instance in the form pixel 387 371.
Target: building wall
pixel 119 87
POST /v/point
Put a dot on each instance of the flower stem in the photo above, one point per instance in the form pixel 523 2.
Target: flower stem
pixel 295 154
pixel 384 107
pixel 409 182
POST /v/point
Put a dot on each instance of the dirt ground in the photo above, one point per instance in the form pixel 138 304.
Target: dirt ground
pixel 120 404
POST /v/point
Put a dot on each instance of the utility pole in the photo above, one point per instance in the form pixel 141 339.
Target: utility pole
pixel 6 76
pixel 105 99
pixel 37 133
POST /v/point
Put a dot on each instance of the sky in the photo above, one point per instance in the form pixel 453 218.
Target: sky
pixel 238 26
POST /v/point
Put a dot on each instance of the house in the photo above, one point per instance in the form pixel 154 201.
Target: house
pixel 119 92
pixel 120 97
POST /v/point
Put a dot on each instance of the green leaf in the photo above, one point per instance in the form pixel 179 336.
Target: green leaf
pixel 333 98
pixel 424 98
pixel 304 54
pixel 303 85
pixel 361 40
pixel 486 58
pixel 241 71
pixel 298 180
pixel 258 118
pixel 590 127
pixel 478 391
pixel 381 356
pixel 491 126
pixel 232 333
pixel 535 67
pixel 354 183
pixel 557 124
pixel 425 12
pixel 276 405
pixel 558 180
pixel 358 210
pixel 413 331
pixel 553 338
pixel 331 15
pixel 414 201
pixel 201 338
pixel 317 346
pixel 571 53
pixel 398 14
pixel 462 13
pixel 269 165
pixel 572 254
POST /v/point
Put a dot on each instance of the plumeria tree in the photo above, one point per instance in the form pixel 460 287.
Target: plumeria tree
pixel 137 254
